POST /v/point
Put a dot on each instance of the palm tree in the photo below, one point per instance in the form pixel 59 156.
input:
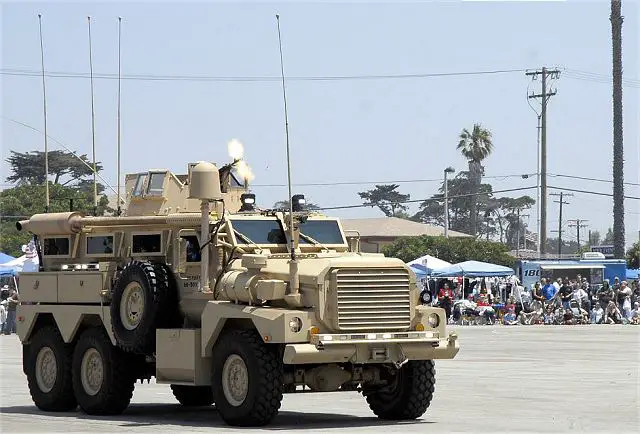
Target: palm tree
pixel 475 146
pixel 618 152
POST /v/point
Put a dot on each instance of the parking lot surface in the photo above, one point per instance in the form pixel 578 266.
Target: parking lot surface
pixel 505 379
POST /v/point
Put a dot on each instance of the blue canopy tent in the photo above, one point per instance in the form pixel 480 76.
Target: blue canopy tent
pixel 420 270
pixel 473 269
pixel 5 258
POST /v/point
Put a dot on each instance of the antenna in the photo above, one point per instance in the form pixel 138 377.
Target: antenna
pixel 44 104
pixel 119 77
pixel 286 129
pixel 93 127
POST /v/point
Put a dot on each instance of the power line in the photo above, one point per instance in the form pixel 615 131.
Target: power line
pixel 590 179
pixel 427 200
pixel 153 77
pixel 592 192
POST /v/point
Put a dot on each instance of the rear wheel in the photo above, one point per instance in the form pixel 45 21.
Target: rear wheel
pixel 103 378
pixel 408 394
pixel 48 370
pixel 193 396
pixel 247 379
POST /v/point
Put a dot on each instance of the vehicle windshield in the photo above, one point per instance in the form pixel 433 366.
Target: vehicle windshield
pixel 271 232
pixel 323 231
pixel 259 231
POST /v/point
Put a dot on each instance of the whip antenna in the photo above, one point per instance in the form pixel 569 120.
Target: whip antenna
pixel 286 129
pixel 93 127
pixel 44 104
pixel 119 77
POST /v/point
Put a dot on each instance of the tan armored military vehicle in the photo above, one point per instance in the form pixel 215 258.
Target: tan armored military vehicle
pixel 227 303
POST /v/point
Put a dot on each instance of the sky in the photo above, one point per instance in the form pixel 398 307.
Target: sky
pixel 356 130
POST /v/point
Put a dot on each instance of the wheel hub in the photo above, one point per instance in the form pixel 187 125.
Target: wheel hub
pixel 92 371
pixel 46 369
pixel 132 305
pixel 235 380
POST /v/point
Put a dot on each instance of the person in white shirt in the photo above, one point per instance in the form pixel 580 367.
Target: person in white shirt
pixel 3 314
pixel 597 314
pixel 634 317
pixel 581 296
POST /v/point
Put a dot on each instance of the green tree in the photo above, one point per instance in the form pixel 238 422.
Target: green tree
pixel 387 199
pixel 22 202
pixel 594 239
pixel 633 256
pixel 608 239
pixel 475 146
pixel 454 250
pixel 618 151
pixel 65 167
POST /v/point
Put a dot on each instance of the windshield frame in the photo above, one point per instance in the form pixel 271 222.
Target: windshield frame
pixel 303 246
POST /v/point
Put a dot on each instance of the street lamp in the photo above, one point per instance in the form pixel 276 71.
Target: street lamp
pixel 446 201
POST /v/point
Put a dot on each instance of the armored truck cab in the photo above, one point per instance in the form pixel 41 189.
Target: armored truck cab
pixel 228 304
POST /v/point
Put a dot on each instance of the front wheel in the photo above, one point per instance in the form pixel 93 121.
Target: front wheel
pixel 408 394
pixel 247 379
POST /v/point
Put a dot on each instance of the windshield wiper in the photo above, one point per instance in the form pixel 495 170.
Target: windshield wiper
pixel 313 241
pixel 247 239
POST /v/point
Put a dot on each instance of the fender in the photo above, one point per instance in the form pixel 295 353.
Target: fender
pixel 271 323
pixel 68 319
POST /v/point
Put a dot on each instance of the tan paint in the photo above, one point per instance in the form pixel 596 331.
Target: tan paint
pixel 179 360
pixel 271 323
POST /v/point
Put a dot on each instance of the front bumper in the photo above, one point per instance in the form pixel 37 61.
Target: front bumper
pixel 393 347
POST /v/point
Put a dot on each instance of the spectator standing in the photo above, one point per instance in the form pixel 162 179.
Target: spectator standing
pixel 3 314
pixel 624 299
pixel 605 294
pixel 10 323
pixel 566 292
pixel 549 291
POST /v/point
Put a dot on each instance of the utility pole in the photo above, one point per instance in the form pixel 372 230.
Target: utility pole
pixel 544 96
pixel 578 223
pixel 446 201
pixel 562 194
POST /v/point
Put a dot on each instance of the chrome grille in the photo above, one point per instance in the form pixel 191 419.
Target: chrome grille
pixel 373 299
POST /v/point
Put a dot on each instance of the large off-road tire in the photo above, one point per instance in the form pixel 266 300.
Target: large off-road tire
pixel 48 368
pixel 409 393
pixel 139 301
pixel 103 380
pixel 193 396
pixel 170 316
pixel 247 379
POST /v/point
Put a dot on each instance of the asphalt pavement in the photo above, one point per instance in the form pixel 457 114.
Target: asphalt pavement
pixel 505 379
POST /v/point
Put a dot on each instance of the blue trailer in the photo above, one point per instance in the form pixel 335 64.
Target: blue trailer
pixel 595 270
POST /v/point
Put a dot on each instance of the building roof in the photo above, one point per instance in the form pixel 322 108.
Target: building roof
pixel 393 227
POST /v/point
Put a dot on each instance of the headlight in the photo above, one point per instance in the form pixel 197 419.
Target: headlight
pixel 295 324
pixel 434 320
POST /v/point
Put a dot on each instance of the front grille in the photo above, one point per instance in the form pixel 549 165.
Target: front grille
pixel 373 299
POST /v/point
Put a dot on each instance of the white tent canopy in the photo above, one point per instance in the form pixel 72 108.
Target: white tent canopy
pixel 429 262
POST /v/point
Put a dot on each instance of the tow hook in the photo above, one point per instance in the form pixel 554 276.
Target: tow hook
pixel 453 336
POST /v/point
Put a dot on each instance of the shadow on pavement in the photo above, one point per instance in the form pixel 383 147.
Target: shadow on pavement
pixel 138 415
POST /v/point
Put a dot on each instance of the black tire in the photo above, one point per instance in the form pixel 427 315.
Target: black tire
pixel 264 373
pixel 113 394
pixel 141 338
pixel 60 397
pixel 170 316
pixel 409 395
pixel 193 396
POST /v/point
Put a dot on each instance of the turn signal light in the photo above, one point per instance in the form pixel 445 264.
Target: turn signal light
pixel 420 327
pixel 314 330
